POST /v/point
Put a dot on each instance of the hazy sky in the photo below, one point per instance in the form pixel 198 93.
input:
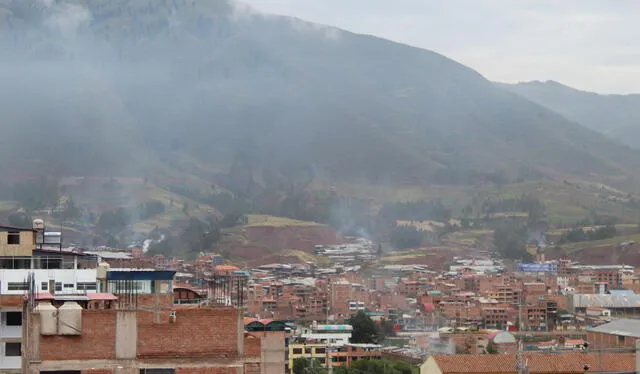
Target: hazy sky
pixel 587 44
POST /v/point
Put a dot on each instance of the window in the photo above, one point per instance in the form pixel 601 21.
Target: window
pixel 620 339
pixel 18 286
pixel 14 318
pixel 69 285
pixel 58 286
pixel 321 350
pixel 157 371
pixel 307 351
pixel 12 349
pixel 297 351
pixel 44 286
pixel 15 263
pixel 87 286
pixel 13 238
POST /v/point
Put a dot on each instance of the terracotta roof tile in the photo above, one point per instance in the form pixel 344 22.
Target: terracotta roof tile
pixel 570 362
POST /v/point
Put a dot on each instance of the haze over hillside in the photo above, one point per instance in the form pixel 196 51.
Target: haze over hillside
pixel 617 116
pixel 137 87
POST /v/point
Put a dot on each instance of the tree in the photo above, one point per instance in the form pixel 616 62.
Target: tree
pixel 379 366
pixel 365 329
pixel 71 211
pixel 406 237
pixel 305 366
pixel 387 328
pixel 185 208
pixel 232 220
pixel 492 348
pixel 510 240
pixel 37 194
pixel 112 242
pixel 113 220
pixel 19 219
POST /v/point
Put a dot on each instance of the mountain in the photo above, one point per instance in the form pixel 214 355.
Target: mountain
pixel 617 116
pixel 133 87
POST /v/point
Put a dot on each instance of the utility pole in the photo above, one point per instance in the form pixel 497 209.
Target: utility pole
pixel 521 365
pixel 329 359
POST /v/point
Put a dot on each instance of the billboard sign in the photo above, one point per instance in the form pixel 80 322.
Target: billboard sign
pixel 537 268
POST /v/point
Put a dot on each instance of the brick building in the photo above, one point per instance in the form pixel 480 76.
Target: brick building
pixel 620 333
pixel 143 332
pixel 33 258
pixel 340 293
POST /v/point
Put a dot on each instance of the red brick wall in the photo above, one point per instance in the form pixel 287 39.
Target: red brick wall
pixel 602 340
pixel 252 346
pixel 166 300
pixel 196 333
pixel 252 369
pixel 11 300
pixel 96 342
pixel 230 370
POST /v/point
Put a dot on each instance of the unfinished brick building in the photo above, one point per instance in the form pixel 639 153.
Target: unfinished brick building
pixel 144 333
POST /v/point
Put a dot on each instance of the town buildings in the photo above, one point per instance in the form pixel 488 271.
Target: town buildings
pixel 121 312
pixel 65 311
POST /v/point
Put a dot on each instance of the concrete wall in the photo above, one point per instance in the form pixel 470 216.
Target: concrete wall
pixel 430 367
pixel 273 354
pixel 126 334
pixel 26 246
pixel 269 348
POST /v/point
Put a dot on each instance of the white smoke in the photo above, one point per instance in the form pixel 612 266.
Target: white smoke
pixel 327 32
pixel 145 245
pixel 240 11
pixel 66 18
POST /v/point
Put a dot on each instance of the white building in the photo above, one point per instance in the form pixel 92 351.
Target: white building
pixel 337 335
pixel 32 263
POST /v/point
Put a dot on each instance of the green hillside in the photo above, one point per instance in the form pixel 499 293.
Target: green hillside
pixel 617 116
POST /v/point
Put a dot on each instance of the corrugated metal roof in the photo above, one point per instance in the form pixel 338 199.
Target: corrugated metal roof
pixel 111 255
pixel 606 301
pixel 622 327
pixel 622 292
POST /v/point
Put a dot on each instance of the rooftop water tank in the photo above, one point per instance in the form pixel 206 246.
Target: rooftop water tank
pixel 48 318
pixel 70 319
pixel 101 272
pixel 38 224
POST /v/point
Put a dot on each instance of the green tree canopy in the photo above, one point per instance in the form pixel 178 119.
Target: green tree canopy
pixel 306 366
pixel 365 329
pixel 378 367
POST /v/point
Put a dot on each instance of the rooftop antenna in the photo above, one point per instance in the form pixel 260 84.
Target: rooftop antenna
pixel 521 362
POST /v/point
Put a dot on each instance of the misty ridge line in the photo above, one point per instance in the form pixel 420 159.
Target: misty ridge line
pixel 240 72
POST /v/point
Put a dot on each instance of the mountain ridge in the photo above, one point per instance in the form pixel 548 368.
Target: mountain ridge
pixel 615 115
pixel 200 79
